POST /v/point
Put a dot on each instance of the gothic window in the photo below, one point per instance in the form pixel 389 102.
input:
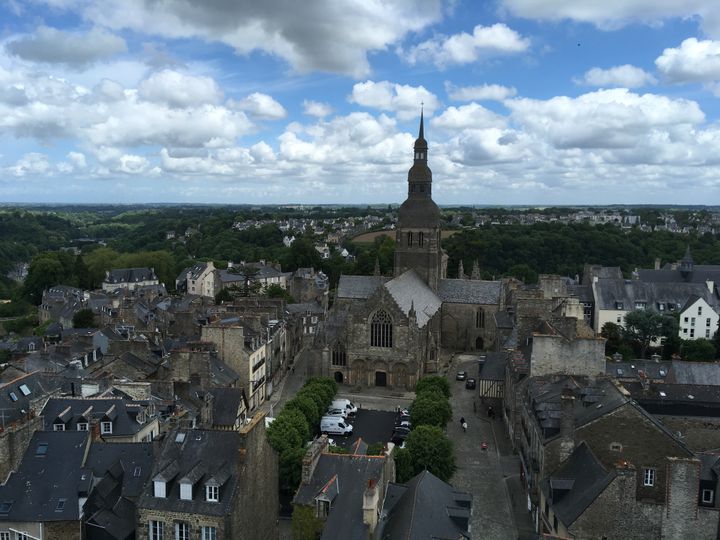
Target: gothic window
pixel 480 319
pixel 381 330
pixel 409 239
pixel 339 357
pixel 421 239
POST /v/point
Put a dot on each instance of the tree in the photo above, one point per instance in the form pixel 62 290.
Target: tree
pixel 283 434
pixel 403 465
pixel 430 449
pixel 430 408
pixel 223 296
pixel 276 291
pixel 643 326
pixel 698 350
pixel 84 318
pixel 613 334
pixel 305 523
pixel 433 382
pixel 307 406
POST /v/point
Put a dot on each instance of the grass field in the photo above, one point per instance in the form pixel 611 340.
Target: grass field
pixel 369 237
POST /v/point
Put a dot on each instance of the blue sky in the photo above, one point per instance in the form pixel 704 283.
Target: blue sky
pixel 526 101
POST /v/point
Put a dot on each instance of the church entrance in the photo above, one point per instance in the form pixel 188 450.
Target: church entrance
pixel 479 344
pixel 339 377
pixel 380 378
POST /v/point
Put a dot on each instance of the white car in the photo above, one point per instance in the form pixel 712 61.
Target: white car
pixel 334 411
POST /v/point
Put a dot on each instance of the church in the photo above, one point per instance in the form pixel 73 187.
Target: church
pixel 389 331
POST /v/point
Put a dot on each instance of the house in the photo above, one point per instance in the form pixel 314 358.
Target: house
pixel 698 319
pixel 307 315
pixel 200 279
pixel 425 507
pixel 212 485
pixel 129 278
pixel 342 493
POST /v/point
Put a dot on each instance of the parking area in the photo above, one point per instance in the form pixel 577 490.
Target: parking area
pixel 370 426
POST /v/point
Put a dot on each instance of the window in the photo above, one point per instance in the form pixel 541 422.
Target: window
pixel 60 505
pixel 708 496
pixel 105 427
pixel 21 536
pixel 182 530
pixel 58 427
pixel 707 334
pixel 421 239
pixel 323 509
pixel 339 356
pixel 82 426
pixel 159 488
pixel 699 310
pixel 212 493
pixel 381 330
pixel 619 305
pixel 618 319
pixel 409 239
pixel 692 321
pixel 692 332
pixel 480 319
pixel 208 533
pixel 13 396
pixel 4 535
pixel 186 491
pixel 640 305
pixel 707 322
pixel 157 530
pixel 616 447
pixel 686 319
pixel 684 330
pixel 24 389
pixel 41 449
pixel 648 477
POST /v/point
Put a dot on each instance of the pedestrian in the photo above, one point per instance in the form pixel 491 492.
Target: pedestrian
pixel 462 421
pixel 464 425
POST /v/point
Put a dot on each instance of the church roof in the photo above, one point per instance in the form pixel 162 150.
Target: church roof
pixel 409 290
pixel 469 291
pixel 359 286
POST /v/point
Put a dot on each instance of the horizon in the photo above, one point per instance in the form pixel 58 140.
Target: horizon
pixel 526 103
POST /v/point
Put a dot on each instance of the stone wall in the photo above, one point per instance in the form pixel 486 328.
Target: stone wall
pixel 459 330
pixel 699 433
pixel 195 521
pixel 555 354
pixel 683 518
pixel 14 440
pixel 229 342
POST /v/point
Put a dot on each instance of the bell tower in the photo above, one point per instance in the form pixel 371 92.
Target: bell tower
pixel 417 237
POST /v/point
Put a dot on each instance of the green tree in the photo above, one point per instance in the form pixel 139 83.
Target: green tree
pixel 290 467
pixel 307 406
pixel 404 469
pixel 430 408
pixel 45 271
pixel 430 449
pixel 84 318
pixel 523 272
pixel 433 382
pixel 305 523
pixel 299 422
pixel 643 326
pixel 276 291
pixel 698 350
pixel 613 334
pixel 223 296
pixel 283 434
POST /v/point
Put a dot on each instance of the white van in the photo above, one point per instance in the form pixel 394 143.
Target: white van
pixel 335 425
pixel 336 411
pixel 345 404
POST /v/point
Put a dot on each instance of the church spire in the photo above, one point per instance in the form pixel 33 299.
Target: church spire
pixel 421 135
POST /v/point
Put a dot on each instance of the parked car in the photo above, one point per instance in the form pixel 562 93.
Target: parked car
pixel 470 384
pixel 334 411
pixel 399 434
pixel 461 376
pixel 335 425
pixel 346 404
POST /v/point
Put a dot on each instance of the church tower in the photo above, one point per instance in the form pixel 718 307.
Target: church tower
pixel 417 237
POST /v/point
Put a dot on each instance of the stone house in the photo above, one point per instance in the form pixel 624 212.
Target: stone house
pixel 200 279
pixel 129 278
pixel 212 484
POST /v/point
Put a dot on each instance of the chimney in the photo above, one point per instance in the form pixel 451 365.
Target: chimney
pixel 710 285
pixel 371 501
pixel 567 424
pixel 95 431
pixel 657 263
pixel 312 456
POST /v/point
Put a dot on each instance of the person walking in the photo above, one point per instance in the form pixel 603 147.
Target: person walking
pixel 463 423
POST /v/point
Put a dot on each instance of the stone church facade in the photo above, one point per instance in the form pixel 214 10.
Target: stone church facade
pixel 384 331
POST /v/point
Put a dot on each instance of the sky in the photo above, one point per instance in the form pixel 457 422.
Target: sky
pixel 526 102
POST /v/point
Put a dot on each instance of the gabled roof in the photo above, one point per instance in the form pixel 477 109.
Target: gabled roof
pixel 425 507
pixel 361 287
pixel 123 414
pixel 576 484
pixel 702 373
pixel 629 291
pixel 47 483
pixel 130 275
pixel 409 290
pixel 469 291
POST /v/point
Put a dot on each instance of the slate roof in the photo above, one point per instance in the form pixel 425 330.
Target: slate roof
pixel 226 403
pixel 345 519
pixel 632 370
pixel 361 287
pixel 16 395
pixel 700 274
pixel 135 459
pixel 121 413
pixel 425 508
pixel 130 275
pixel 216 454
pixel 493 369
pixel 301 308
pixel 703 373
pixel 469 291
pixel 409 290
pixel 503 319
pixel 629 291
pixel 576 484
pixel 51 471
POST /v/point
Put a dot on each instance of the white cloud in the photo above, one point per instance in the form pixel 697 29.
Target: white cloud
pixel 316 108
pixel 132 164
pixel 403 100
pixel 77 159
pixel 626 76
pixel 73 49
pixel 179 89
pixel 260 106
pixel 490 92
pixel 611 14
pixel 468 116
pixel 693 61
pixel 298 32
pixel 464 48
pixel 32 163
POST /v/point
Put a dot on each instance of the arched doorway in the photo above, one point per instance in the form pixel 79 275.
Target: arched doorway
pixel 380 378
pixel 339 377
pixel 400 378
pixel 479 344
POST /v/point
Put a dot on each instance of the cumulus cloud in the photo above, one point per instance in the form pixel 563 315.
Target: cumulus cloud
pixel 316 108
pixel 626 76
pixel 260 106
pixel 132 164
pixel 614 118
pixel 32 163
pixel 468 116
pixel 297 32
pixel 489 92
pixel 464 48
pixel 612 14
pixel 77 159
pixel 73 49
pixel 401 99
pixel 179 89
pixel 693 61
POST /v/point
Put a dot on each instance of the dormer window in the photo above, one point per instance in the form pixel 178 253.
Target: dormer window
pixel 186 491
pixel 212 493
pixel 106 428
pixel 159 489
pixel 82 426
pixel 58 427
